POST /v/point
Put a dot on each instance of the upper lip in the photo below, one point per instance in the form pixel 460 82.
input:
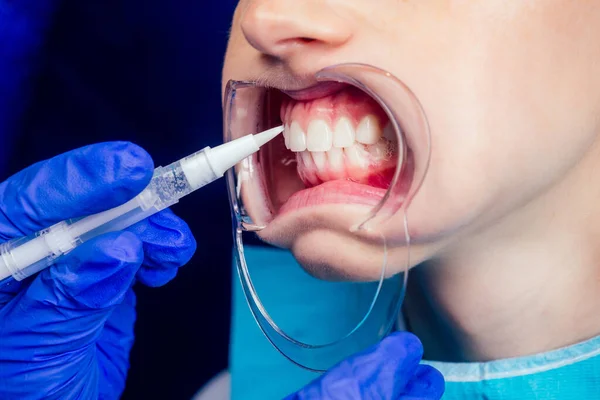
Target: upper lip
pixel 300 88
pixel 317 91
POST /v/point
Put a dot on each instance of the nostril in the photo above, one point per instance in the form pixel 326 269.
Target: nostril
pixel 294 43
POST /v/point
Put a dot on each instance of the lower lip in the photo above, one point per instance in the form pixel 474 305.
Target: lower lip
pixel 334 192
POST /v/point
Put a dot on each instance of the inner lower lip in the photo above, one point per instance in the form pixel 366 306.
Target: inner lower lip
pixel 286 190
pixel 334 192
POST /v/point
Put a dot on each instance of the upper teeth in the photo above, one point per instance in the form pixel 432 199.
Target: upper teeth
pixel 344 133
pixel 320 136
pixel 368 131
pixel 297 137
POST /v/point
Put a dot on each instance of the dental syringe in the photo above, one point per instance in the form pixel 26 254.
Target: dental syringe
pixel 23 257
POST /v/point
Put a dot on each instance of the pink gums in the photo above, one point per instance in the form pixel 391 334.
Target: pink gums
pixel 351 103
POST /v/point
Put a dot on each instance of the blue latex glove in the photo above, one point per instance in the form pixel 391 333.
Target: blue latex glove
pixel 67 332
pixel 388 371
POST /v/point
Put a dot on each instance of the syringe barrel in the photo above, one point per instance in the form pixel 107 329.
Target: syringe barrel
pixel 23 257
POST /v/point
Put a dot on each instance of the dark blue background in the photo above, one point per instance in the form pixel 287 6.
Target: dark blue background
pixel 149 72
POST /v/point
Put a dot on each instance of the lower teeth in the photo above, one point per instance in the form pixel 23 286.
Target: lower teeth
pixel 354 163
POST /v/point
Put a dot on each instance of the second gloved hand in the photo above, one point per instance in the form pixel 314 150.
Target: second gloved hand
pixel 391 370
pixel 67 332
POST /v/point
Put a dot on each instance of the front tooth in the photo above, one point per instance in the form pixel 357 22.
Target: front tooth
pixel 335 158
pixel 307 160
pixel 297 138
pixel 320 159
pixel 286 136
pixel 319 136
pixel 343 135
pixel 356 156
pixel 308 171
pixel 368 131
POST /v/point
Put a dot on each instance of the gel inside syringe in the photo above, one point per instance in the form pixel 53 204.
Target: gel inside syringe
pixel 23 257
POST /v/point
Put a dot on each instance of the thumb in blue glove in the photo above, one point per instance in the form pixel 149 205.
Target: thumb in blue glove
pixel 388 371
pixel 67 333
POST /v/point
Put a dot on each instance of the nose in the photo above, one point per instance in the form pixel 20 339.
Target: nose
pixel 283 28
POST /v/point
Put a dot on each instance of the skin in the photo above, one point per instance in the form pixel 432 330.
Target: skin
pixel 506 221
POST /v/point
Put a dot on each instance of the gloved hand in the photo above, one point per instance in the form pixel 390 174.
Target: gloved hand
pixel 67 332
pixel 388 371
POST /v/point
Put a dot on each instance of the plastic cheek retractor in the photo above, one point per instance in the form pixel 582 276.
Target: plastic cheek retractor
pixel 317 323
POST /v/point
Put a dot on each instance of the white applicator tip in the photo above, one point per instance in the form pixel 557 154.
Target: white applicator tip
pixel 268 135
pixel 225 156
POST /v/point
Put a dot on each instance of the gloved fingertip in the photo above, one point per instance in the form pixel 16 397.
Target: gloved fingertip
pixel 402 342
pixel 98 273
pixel 181 235
pixel 168 241
pixel 156 277
pixel 427 383
pixel 126 168
pixel 124 246
pixel 135 162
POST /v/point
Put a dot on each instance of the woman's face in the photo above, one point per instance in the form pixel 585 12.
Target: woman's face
pixel 511 90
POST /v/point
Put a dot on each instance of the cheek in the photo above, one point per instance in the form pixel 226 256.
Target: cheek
pixel 494 152
pixel 512 110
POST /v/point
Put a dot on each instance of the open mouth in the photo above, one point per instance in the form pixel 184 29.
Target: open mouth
pixel 338 146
